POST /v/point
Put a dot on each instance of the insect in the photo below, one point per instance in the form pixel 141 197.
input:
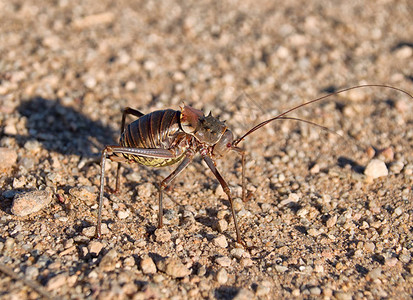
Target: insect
pixel 166 137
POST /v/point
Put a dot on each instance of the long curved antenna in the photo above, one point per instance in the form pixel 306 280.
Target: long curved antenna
pixel 311 123
pixel 280 116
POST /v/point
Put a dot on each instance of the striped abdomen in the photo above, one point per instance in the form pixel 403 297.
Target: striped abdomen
pixel 156 130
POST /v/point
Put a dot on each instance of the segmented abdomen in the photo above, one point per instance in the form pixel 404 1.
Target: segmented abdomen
pixel 158 129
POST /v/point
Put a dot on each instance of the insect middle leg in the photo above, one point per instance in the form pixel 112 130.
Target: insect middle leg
pixel 227 191
pixel 126 111
pixel 164 183
pixel 111 151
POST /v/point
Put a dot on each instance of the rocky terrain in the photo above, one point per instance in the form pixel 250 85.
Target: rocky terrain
pixel 329 215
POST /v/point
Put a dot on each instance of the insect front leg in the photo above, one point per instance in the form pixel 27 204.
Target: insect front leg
pixel 164 183
pixel 126 111
pixel 227 191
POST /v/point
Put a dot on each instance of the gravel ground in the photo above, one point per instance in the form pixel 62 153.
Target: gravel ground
pixel 315 225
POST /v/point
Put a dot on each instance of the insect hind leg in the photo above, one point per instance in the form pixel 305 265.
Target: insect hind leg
pixel 126 111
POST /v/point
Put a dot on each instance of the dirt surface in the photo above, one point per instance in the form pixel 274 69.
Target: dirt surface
pixel 314 227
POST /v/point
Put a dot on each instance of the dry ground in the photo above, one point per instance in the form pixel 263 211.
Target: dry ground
pixel 314 226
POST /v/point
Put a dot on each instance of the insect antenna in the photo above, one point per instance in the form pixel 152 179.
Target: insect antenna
pixel 281 116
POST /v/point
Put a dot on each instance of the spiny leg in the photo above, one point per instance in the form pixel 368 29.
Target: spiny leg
pixel 227 191
pixel 126 111
pixel 164 183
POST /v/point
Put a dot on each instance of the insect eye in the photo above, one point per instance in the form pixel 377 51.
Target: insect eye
pixel 229 145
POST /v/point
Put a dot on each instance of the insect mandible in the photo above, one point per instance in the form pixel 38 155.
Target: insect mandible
pixel 166 137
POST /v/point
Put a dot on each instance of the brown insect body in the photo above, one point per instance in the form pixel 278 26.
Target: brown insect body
pixel 167 137
pixel 157 130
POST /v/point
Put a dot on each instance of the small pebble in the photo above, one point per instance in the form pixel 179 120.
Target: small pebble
pixel 246 262
pixel 281 269
pixel 374 274
pixel 356 95
pixel 145 190
pixel 369 246
pixel 314 232
pixel 33 146
pixel 392 261
pixel 222 225
pixel 220 241
pixel 331 221
pixel 162 235
pixel 405 257
pixel 244 294
pixel 173 267
pixel 222 276
pixel 238 253
pixel 293 197
pixel 387 153
pixel 266 207
pixel 19 183
pixel 319 268
pixel 89 231
pixel 123 214
pixel 202 271
pixel 238 204
pixel 396 167
pixel 108 262
pixel 376 168
pixel 315 169
pixel 316 291
pixel 148 266
pixel 398 211
pixel 31 272
pixel 223 261
pixel 129 261
pixel 8 158
pixel 95 247
pixel 343 296
pixel 84 193
pixel 57 281
pixel 222 213
pixel 370 152
pixel 30 202
pixel 263 289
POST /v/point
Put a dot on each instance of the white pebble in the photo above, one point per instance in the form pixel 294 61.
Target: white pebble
pixel 222 276
pixel 175 268
pixel 376 168
pixel 238 253
pixel 30 202
pixel 57 281
pixel 223 261
pixel 148 266
pixel 220 241
pixel 222 225
pixel 95 247
pixel 123 214
pixel 89 231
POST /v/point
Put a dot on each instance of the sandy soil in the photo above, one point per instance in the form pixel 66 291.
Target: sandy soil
pixel 315 225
